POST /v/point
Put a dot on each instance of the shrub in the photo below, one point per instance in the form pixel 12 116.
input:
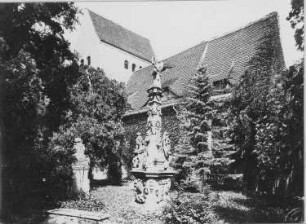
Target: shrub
pixel 190 208
pixel 92 205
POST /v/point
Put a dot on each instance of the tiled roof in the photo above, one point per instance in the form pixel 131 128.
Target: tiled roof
pixel 184 66
pixel 118 36
pixel 230 53
pixel 221 56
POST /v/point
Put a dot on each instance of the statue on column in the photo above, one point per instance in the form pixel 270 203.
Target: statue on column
pixel 158 68
pixel 80 151
pixel 166 149
pixel 140 152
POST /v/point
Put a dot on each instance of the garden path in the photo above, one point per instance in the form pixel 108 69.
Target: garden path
pixel 120 205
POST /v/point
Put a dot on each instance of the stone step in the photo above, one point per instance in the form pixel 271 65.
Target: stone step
pixel 66 215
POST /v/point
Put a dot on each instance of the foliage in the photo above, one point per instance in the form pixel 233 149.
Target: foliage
pixel 92 204
pixel 296 214
pixel 296 18
pixel 38 29
pixel 190 208
pixel 235 207
pixel 192 152
pixel 250 103
pixel 32 57
pixel 184 152
pixel 46 102
pixel 267 124
pixel 279 138
pixel 23 105
pixel 199 113
pixel 96 106
pixel 293 137
pixel 32 26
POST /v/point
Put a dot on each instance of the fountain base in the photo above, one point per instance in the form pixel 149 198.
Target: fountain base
pixel 152 186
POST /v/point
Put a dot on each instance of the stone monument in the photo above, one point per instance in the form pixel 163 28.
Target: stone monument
pixel 80 168
pixel 153 153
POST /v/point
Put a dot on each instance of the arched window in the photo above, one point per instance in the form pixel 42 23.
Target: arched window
pixel 133 67
pixel 82 62
pixel 88 60
pixel 126 64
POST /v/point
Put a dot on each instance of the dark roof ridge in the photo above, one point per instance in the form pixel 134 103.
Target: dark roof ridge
pixel 172 56
pixel 268 16
pixel 118 24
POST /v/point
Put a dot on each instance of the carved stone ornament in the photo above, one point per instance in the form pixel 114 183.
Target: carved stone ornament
pixel 152 155
pixel 151 190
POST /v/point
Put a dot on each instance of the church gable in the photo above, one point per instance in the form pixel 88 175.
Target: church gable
pixel 122 38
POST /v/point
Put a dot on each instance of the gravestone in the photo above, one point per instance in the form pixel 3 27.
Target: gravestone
pixel 66 215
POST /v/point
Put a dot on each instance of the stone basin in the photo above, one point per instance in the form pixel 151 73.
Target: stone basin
pixel 152 186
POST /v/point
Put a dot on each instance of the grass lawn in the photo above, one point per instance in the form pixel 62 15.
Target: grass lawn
pixel 228 207
pixel 232 207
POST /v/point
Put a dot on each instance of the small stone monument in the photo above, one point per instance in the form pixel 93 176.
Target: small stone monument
pixel 80 168
pixel 153 153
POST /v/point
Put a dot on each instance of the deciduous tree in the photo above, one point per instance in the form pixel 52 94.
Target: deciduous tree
pixel 96 106
pixel 32 53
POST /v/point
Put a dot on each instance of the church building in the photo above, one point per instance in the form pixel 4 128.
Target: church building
pixel 105 44
pixel 225 59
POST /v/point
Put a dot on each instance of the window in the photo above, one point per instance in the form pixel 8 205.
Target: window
pixel 133 67
pixel 82 62
pixel 140 67
pixel 88 60
pixel 220 84
pixel 167 94
pixel 126 64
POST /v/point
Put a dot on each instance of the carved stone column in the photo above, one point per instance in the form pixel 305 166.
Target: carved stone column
pixel 151 163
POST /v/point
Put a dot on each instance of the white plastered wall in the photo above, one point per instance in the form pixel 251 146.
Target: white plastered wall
pixel 85 41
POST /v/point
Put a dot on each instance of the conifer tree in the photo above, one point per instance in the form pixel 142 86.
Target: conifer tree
pixel 184 151
pixel 200 113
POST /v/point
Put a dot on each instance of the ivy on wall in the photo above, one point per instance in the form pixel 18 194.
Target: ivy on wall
pixel 137 123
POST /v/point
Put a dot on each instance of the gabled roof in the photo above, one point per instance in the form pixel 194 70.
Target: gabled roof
pixel 122 38
pixel 221 56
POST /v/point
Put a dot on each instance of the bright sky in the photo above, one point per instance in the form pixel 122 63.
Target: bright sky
pixel 173 26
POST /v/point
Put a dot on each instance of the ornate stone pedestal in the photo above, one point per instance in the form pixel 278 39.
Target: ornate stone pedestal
pixel 80 169
pixel 152 154
pixel 152 187
pixel 81 181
